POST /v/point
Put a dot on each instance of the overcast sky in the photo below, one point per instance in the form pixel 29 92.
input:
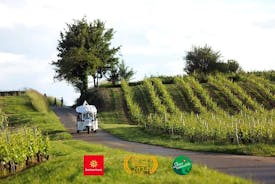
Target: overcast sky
pixel 154 35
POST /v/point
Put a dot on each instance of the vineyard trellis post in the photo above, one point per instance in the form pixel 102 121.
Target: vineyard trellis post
pixel 237 137
pixel 182 120
pixel 172 130
pixel 145 124
pixel 7 138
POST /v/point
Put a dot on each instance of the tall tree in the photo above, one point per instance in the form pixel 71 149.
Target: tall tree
pixel 102 42
pixel 84 50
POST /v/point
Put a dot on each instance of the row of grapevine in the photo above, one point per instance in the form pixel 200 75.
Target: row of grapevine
pixel 227 92
pixel 267 84
pixel 179 98
pixel 216 126
pixel 142 99
pixel 239 92
pixel 157 103
pixel 203 94
pixel 243 128
pixel 262 88
pixel 133 108
pixel 188 92
pixel 165 96
pixel 20 148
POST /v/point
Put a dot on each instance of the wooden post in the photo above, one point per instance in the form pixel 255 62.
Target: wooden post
pixel 7 138
pixel 172 130
pixel 182 120
pixel 237 137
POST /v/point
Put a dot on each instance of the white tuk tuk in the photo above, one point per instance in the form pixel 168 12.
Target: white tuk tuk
pixel 86 118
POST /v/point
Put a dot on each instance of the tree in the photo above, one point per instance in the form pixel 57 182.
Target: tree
pixel 119 72
pixel 113 75
pixel 233 66
pixel 125 72
pixel 84 50
pixel 201 59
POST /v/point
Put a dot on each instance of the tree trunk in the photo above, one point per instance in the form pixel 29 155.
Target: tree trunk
pixel 94 76
pixel 84 79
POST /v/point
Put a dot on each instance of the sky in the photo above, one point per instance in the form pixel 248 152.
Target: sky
pixel 154 34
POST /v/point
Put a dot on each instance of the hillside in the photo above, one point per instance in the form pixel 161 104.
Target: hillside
pixel 221 112
pixel 218 93
pixel 66 156
pixel 32 110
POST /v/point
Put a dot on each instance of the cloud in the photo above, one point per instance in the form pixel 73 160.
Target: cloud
pixel 154 34
pixel 19 72
pixel 267 24
pixel 31 41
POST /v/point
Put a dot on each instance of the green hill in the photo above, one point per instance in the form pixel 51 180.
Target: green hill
pixel 220 112
pixel 219 93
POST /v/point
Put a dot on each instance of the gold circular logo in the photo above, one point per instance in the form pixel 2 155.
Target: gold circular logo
pixel 140 165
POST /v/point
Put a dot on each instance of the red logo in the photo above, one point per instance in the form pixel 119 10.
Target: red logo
pixel 93 165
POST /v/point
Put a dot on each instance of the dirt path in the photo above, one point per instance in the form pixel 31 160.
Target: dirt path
pixel 261 169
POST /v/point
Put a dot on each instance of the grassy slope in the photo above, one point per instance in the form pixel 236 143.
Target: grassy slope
pixel 138 134
pixel 21 111
pixel 66 159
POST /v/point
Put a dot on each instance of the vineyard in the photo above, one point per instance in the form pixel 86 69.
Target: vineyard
pixel 21 146
pixel 218 111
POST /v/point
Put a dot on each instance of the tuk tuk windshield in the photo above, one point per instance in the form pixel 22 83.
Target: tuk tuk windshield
pixel 89 116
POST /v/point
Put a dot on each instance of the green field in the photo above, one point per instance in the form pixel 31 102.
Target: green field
pixel 66 156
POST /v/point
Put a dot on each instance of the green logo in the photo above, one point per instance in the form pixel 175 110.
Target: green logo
pixel 182 165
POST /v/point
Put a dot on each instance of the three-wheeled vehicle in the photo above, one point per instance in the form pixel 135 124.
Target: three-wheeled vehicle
pixel 86 118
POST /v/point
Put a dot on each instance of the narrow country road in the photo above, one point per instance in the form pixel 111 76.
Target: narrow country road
pixel 260 169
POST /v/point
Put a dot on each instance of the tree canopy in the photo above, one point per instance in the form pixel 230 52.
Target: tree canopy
pixel 85 50
pixel 206 60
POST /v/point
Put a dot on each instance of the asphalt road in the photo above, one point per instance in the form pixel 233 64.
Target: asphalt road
pixel 260 169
